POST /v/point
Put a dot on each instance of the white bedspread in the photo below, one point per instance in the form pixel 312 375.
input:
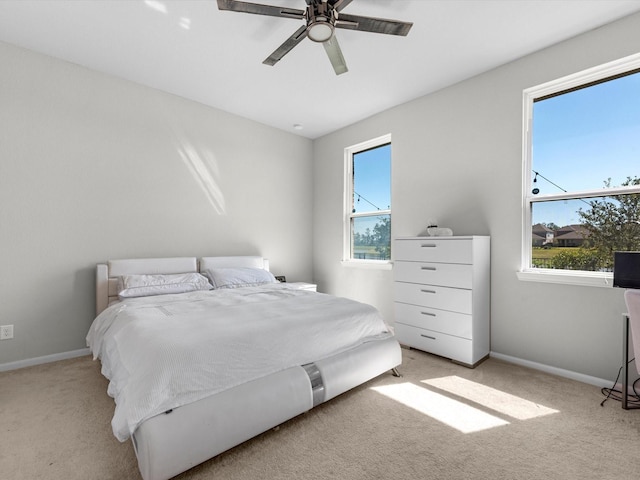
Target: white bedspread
pixel 166 351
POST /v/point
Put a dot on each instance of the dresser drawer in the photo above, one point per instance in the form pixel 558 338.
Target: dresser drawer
pixel 442 298
pixel 444 274
pixel 459 349
pixel 428 249
pixel 452 323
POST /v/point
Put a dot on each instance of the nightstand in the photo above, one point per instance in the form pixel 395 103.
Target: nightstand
pixel 304 286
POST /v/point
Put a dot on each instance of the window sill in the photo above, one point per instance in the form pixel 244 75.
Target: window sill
pixel 567 277
pixel 375 264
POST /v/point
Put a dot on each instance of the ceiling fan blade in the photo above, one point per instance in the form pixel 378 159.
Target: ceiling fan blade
pixel 287 46
pixel 259 9
pixel 375 25
pixel 339 4
pixel 334 53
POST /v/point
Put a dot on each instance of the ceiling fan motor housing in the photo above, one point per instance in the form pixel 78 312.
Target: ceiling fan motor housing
pixel 320 22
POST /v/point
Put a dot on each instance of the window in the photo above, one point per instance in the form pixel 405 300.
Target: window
pixel 367 231
pixel 581 182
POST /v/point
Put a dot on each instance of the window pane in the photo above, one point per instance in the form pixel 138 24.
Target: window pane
pixel 582 234
pixel 371 237
pixel 372 180
pixel 583 138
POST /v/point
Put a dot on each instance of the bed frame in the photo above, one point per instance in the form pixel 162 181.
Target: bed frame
pixel 171 443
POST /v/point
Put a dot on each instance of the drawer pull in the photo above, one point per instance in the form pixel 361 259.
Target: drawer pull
pixel 427 336
pixel 428 268
pixel 428 313
pixel 429 245
pixel 428 291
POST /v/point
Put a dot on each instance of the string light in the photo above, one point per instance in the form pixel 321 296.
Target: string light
pixel 363 198
pixel 536 190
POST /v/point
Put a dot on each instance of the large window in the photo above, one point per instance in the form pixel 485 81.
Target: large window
pixel 582 171
pixel 368 201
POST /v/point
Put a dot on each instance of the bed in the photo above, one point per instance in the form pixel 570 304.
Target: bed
pixel 260 381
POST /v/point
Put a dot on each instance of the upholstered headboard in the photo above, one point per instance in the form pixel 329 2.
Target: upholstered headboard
pixel 233 262
pixel 107 273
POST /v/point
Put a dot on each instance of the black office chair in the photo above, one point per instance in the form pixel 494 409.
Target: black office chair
pixel 626 274
pixel 632 299
pixel 632 329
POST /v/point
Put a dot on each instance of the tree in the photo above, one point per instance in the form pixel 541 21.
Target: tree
pixel 357 240
pixel 613 223
pixel 382 237
pixel 367 236
pixel 552 226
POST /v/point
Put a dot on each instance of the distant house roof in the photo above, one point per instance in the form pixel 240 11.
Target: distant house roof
pixel 572 232
pixel 541 229
pixel 570 236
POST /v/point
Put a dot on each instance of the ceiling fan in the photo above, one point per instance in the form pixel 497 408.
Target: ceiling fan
pixel 322 17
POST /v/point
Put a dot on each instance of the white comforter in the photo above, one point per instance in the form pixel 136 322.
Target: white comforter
pixel 166 351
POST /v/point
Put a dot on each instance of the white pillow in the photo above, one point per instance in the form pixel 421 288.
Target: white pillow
pixel 147 285
pixel 239 277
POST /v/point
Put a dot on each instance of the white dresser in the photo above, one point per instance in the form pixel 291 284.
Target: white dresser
pixel 442 296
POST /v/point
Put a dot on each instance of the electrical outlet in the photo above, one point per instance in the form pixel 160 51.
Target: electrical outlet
pixel 6 332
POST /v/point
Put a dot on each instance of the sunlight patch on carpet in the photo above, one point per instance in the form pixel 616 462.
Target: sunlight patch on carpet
pixel 497 400
pixel 453 413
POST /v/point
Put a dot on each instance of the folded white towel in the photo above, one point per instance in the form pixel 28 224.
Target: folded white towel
pixel 439 232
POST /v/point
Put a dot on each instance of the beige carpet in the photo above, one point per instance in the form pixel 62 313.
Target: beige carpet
pixel 55 424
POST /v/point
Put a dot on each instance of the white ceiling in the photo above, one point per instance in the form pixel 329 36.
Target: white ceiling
pixel 191 49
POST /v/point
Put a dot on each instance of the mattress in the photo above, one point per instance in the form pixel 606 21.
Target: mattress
pixel 161 353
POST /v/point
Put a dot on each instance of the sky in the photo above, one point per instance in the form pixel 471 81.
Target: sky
pixel 583 138
pixel 372 173
pixel 372 184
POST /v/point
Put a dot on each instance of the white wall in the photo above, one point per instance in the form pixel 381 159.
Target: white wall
pixel 457 157
pixel 93 168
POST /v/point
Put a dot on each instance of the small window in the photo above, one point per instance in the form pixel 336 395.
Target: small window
pixel 368 201
pixel 581 182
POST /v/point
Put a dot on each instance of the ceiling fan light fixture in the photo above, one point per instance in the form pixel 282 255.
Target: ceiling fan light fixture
pixel 320 30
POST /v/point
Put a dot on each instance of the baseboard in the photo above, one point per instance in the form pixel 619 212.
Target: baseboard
pixel 580 377
pixel 29 362
pixel 561 372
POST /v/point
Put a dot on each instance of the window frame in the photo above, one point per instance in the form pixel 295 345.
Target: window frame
pixel 565 84
pixel 348 215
